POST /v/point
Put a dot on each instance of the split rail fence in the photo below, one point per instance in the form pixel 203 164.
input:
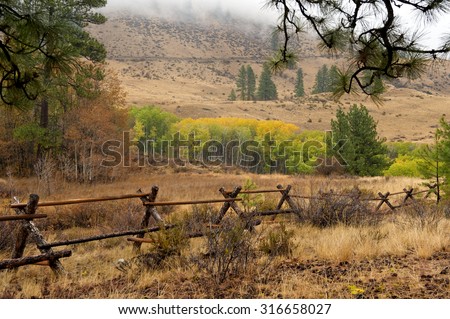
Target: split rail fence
pixel 26 213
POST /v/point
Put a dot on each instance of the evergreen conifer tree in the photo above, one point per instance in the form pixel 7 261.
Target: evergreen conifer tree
pixel 251 83
pixel 356 142
pixel 241 83
pixel 299 86
pixel 322 81
pixel 266 88
pixel 232 96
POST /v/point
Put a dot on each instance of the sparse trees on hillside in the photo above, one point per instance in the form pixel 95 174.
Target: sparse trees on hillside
pixel 246 83
pixel 369 34
pixel 266 88
pixel 327 79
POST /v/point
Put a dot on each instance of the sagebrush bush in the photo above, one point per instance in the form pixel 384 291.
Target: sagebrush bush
pixel 169 242
pixel 198 217
pixel 230 250
pixel 423 215
pixel 278 242
pixel 328 209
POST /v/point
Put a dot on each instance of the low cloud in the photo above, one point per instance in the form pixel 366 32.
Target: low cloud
pixel 255 10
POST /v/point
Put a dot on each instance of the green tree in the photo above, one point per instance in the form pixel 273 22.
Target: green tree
pixel 241 83
pixel 299 86
pixel 251 83
pixel 432 160
pixel 41 39
pixel 232 96
pixel 266 88
pixel 275 40
pixel 370 35
pixel 321 84
pixel 436 159
pixel 63 51
pixel 151 123
pixel 356 143
pixel 333 79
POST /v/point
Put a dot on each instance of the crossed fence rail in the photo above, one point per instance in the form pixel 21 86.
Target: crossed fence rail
pixel 26 213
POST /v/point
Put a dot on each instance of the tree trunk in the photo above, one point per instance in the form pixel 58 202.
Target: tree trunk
pixel 43 123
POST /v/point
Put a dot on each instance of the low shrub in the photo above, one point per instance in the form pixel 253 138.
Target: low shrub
pixel 278 242
pixel 328 209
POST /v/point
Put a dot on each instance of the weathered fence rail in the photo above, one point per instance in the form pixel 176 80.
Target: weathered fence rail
pixel 17 262
pixel 81 200
pixel 26 213
pixel 20 217
pixel 382 199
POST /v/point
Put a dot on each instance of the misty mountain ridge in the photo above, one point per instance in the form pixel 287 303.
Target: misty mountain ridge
pixel 219 36
pixel 127 35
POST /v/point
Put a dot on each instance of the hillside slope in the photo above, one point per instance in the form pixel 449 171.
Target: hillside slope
pixel 189 68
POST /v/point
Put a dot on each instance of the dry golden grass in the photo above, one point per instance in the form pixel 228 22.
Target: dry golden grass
pixel 402 256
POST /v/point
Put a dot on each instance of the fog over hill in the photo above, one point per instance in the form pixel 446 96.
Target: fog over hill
pixel 197 10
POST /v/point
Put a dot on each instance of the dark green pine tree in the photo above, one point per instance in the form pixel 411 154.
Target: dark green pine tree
pixel 241 83
pixel 322 80
pixel 356 144
pixel 299 86
pixel 333 79
pixel 266 88
pixel 251 83
pixel 43 40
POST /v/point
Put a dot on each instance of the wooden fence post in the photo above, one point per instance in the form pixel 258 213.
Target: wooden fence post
pixel 227 205
pixel 22 232
pixel 30 228
pixel 286 198
pixel 434 189
pixel 150 211
pixel 384 199
pixel 409 194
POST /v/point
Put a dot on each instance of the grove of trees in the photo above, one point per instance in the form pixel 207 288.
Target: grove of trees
pixel 59 102
pixel 246 85
pixel 327 79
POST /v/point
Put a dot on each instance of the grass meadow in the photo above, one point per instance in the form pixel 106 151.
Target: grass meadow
pixel 335 249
